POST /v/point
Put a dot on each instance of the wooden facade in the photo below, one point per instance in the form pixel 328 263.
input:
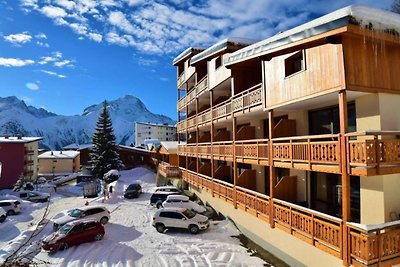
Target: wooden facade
pixel 258 138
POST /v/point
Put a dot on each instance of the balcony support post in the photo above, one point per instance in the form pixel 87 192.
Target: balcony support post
pixel 272 178
pixel 212 141
pixel 234 125
pixel 346 216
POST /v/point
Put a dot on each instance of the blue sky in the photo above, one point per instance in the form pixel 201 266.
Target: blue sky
pixel 64 55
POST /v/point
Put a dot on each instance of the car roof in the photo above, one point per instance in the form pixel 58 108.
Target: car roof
pixel 165 193
pixel 177 197
pixel 136 183
pixel 9 200
pixel 172 209
pixel 166 187
pixel 91 207
pixel 80 221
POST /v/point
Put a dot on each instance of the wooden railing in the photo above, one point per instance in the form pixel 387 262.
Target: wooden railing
pixel 253 202
pixel 204 150
pixel 204 117
pixel 168 170
pixel 202 85
pixel 181 79
pixel 373 152
pixel 376 244
pixel 248 98
pixel 198 89
pixel 318 229
pixel 252 149
pixel 223 149
pixel 222 110
pixel 313 152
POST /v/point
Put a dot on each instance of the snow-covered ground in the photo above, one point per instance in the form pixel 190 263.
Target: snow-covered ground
pixel 130 239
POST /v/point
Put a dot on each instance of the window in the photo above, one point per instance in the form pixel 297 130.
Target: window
pixel 218 62
pixel 295 63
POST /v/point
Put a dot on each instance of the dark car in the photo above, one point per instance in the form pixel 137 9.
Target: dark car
pixel 157 198
pixel 133 190
pixel 72 234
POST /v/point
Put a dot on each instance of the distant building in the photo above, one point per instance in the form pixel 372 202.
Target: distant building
pixel 18 156
pixel 53 163
pixel 84 150
pixel 144 131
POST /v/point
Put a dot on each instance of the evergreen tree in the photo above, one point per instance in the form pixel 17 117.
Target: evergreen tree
pixel 104 155
pixel 395 6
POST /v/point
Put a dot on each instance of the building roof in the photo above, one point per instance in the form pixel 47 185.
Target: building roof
pixel 155 124
pixel 221 46
pixel 185 54
pixel 364 16
pixel 133 148
pixel 170 146
pixel 68 154
pixel 14 139
pixel 77 146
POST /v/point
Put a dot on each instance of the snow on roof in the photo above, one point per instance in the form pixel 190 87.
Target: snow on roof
pixel 220 46
pixel 155 124
pixel 356 14
pixel 68 154
pixel 15 139
pixel 77 146
pixel 134 148
pixel 170 145
pixel 187 52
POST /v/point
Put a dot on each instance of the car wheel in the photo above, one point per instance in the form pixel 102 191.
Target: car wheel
pixel 104 220
pixel 194 229
pixel 98 237
pixel 160 227
pixel 2 218
pixel 63 246
pixel 10 212
pixel 159 205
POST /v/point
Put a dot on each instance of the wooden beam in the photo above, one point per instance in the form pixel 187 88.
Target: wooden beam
pixel 234 124
pixel 212 140
pixel 346 215
pixel 272 178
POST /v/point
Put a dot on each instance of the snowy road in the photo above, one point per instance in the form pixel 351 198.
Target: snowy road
pixel 130 240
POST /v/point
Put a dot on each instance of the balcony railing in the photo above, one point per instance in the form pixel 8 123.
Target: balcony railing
pixel 181 79
pixel 253 202
pixel 198 89
pixel 253 150
pixel 374 152
pixel 222 110
pixel 168 170
pixel 374 245
pixel 248 98
pixel 223 150
pixel 313 152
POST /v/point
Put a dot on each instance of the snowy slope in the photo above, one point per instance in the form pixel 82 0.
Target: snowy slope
pixel 16 118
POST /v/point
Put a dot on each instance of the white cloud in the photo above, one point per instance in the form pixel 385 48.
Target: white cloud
pixel 63 63
pixel 41 36
pixel 146 61
pixel 53 12
pixel 95 37
pixel 32 86
pixel 119 20
pixel 42 44
pixel 52 73
pixel 18 38
pixel 15 62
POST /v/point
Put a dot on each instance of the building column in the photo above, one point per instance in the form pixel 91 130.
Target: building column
pixel 212 140
pixel 346 215
pixel 234 124
pixel 272 178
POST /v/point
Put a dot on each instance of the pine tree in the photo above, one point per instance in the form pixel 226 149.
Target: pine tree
pixel 104 155
pixel 395 6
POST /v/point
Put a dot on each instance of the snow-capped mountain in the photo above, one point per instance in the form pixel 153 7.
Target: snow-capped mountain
pixel 16 118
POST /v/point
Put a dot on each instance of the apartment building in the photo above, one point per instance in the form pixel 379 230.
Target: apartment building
pixel 55 163
pixel 296 137
pixel 161 132
pixel 18 157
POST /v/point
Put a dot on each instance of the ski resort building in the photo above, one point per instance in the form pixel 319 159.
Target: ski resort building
pixel 55 163
pixel 18 158
pixel 297 137
pixel 161 132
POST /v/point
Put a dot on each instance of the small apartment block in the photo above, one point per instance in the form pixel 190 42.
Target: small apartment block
pixel 18 158
pixel 145 131
pixel 54 163
pixel 296 137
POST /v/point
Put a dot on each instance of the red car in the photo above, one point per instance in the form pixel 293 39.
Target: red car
pixel 72 234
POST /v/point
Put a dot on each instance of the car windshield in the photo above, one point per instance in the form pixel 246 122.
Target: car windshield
pixel 65 229
pixel 133 186
pixel 189 214
pixel 75 213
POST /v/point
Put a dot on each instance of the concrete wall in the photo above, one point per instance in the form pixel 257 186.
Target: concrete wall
pixel 60 165
pixel 283 245
pixel 216 76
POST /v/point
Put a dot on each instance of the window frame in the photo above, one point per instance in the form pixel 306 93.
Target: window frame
pixel 290 61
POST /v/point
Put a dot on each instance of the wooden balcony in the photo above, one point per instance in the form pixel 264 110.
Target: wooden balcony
pixel 222 110
pixel 168 171
pixel 252 151
pixel 181 80
pixel 248 99
pixel 198 89
pixel 373 152
pixel 378 245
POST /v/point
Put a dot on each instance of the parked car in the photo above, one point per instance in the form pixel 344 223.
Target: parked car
pixel 179 218
pixel 3 215
pixel 157 198
pixel 72 234
pixel 167 188
pixel 133 190
pixel 111 176
pixel 97 213
pixel 181 201
pixel 33 196
pixel 11 206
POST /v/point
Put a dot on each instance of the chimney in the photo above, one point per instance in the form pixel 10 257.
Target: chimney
pixel 60 152
pixel 6 137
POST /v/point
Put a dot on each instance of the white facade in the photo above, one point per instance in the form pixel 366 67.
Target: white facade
pixel 145 131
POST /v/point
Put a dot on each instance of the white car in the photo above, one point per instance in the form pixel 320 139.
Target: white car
pixel 11 206
pixel 99 213
pixel 167 188
pixel 179 218
pixel 181 201
pixel 3 215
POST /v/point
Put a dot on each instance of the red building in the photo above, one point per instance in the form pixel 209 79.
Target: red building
pixel 18 156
